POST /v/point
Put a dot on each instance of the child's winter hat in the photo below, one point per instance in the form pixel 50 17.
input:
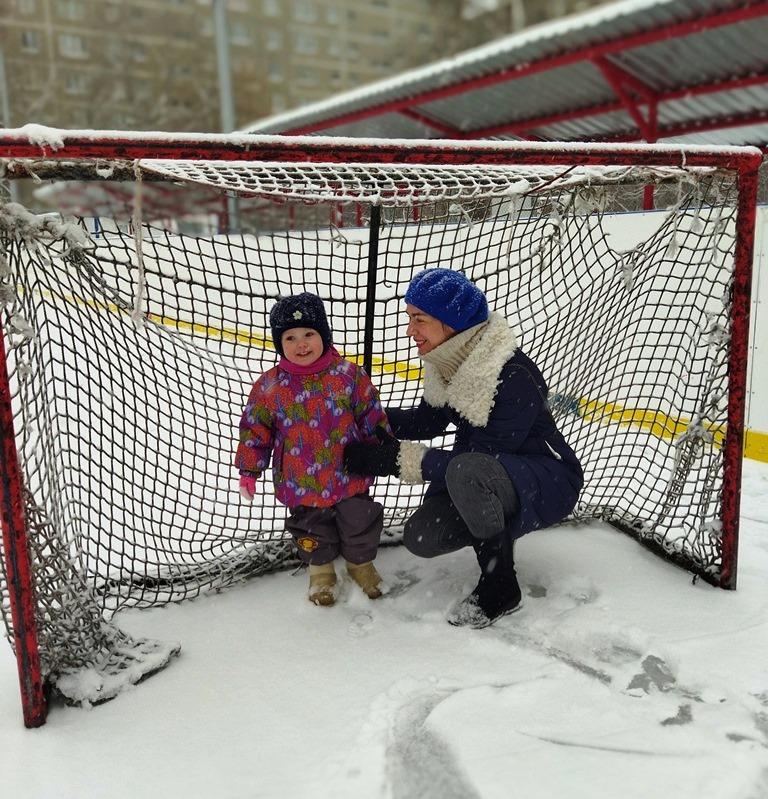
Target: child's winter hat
pixel 448 296
pixel 300 310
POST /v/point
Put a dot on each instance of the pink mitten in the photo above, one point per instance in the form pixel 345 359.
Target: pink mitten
pixel 247 487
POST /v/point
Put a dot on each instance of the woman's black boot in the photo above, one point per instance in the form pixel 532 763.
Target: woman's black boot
pixel 497 593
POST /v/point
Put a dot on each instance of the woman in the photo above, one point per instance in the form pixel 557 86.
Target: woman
pixel 510 470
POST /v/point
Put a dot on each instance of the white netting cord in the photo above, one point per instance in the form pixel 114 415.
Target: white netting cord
pixel 537 231
pixel 84 657
pixel 396 184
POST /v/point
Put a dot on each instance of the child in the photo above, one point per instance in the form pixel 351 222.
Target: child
pixel 306 409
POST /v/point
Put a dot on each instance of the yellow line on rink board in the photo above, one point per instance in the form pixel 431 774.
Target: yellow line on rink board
pixel 756 445
pixel 653 421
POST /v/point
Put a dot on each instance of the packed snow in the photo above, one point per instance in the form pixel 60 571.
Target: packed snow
pixel 619 677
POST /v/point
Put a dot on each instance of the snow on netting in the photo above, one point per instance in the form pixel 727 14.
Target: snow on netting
pixel 132 351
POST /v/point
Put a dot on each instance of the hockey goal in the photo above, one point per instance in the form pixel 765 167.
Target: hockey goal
pixel 135 317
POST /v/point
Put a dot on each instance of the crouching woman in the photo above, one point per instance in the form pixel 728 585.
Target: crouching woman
pixel 510 470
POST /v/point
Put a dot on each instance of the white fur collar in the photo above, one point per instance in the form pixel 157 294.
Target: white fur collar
pixel 472 390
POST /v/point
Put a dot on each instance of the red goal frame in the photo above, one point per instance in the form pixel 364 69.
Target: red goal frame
pixel 50 145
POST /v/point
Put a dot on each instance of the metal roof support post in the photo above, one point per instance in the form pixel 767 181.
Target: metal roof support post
pixel 627 87
pixel 370 287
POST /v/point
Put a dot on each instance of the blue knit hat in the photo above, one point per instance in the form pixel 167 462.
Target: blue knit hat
pixel 448 296
pixel 300 310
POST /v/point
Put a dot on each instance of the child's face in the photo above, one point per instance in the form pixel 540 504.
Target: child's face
pixel 302 345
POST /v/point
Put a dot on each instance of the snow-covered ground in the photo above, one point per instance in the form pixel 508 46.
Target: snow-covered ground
pixel 619 678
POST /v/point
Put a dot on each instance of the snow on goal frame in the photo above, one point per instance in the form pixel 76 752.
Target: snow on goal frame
pixel 129 348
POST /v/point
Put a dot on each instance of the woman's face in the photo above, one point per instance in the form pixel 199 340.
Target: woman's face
pixel 426 331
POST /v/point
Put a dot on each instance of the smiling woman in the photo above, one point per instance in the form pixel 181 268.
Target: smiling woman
pixel 426 331
pixel 510 470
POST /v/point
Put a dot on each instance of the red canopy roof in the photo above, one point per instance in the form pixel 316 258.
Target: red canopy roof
pixel 693 71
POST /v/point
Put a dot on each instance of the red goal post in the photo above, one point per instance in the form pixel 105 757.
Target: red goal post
pixel 202 158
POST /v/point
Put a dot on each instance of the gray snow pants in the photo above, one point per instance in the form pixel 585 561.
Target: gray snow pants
pixel 479 503
pixel 351 527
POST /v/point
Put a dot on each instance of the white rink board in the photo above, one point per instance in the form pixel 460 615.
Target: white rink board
pixel 757 374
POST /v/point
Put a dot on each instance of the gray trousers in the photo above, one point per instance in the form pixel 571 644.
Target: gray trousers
pixel 479 503
pixel 351 527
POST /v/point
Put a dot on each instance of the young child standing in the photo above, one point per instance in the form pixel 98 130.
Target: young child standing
pixel 304 411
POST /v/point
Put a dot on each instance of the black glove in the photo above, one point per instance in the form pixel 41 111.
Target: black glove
pixel 373 459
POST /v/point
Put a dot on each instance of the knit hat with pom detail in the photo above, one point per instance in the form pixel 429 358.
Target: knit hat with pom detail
pixel 448 296
pixel 299 310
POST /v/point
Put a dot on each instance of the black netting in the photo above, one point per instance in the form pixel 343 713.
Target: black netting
pixel 129 374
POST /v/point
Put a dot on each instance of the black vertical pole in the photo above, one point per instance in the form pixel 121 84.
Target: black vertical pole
pixel 370 288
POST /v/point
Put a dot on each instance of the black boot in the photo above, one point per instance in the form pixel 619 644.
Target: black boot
pixel 497 593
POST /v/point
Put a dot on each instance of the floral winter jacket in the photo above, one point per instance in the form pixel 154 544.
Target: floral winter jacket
pixel 306 415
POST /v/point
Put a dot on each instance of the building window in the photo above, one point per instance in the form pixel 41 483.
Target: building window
pixel 274 70
pixel 119 92
pixel 70 9
pixel 72 46
pixel 332 15
pixel 30 41
pixel 558 8
pixel 271 8
pixel 306 43
pixel 304 10
pixel 179 71
pixel 274 39
pixel 75 83
pixel 278 103
pixel 239 34
pixel 26 6
pixel 306 76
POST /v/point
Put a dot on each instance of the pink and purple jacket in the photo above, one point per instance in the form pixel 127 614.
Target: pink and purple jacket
pixel 305 415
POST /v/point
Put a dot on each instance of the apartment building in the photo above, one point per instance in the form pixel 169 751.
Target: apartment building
pixel 151 64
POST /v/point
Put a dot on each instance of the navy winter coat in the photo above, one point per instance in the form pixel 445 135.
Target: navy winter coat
pixel 497 401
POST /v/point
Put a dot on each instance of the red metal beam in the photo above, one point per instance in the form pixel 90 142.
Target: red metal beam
pixel 626 86
pixel 448 130
pixel 738 357
pixel 15 144
pixel 748 11
pixel 532 123
pixel 18 568
pixel 696 126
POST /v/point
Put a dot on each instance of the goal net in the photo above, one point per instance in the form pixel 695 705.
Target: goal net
pixel 132 340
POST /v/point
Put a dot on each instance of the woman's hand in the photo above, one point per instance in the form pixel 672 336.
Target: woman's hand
pixel 378 460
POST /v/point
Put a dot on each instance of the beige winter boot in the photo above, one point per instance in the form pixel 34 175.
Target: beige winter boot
pixel 322 581
pixel 366 576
